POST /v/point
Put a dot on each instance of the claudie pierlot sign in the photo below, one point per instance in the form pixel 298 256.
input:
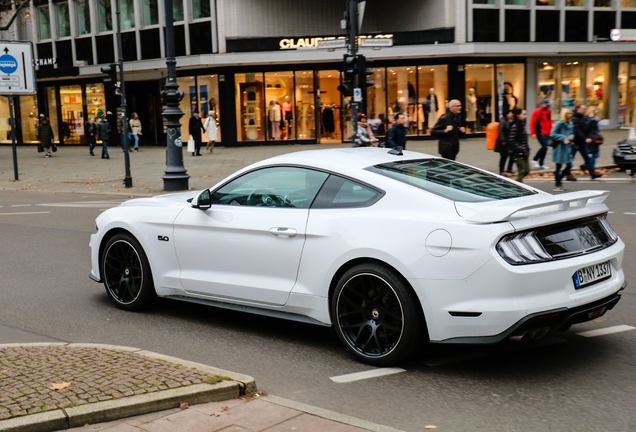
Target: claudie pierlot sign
pixel 442 35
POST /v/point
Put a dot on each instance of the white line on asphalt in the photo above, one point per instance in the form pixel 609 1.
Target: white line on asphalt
pixel 630 213
pixel 373 373
pixel 454 358
pixel 23 213
pixel 606 331
pixel 610 212
pixel 21 205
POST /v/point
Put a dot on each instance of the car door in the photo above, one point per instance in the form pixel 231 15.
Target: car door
pixel 247 245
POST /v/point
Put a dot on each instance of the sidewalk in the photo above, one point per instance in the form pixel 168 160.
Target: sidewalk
pixel 73 170
pixel 56 386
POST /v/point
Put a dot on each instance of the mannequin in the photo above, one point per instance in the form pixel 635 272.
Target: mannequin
pixel 288 115
pixel 274 118
pixel 211 130
pixel 471 109
pixel 433 107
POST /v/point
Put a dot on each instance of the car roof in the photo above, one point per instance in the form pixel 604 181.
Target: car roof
pixel 345 159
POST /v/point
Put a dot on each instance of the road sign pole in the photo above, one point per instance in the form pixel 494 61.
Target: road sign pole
pixel 16 175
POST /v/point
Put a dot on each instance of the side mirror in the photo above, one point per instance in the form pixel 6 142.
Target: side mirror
pixel 203 200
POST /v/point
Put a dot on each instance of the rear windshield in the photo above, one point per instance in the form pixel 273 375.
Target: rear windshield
pixel 451 180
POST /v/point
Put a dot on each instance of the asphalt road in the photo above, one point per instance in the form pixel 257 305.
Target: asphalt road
pixel 563 383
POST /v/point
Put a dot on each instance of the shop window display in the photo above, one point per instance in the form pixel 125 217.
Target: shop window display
pixel 432 96
pixel 480 90
pixel 249 106
pixel 630 103
pixel 51 99
pixel 209 104
pixel 376 103
pixel 71 104
pixel 95 100
pixel 187 105
pixel 513 86
pixel 332 107
pixel 546 80
pixel 597 86
pixel 401 84
pixel 29 114
pixel 623 82
pixel 570 84
pixel 280 109
pixel 5 123
pixel 305 105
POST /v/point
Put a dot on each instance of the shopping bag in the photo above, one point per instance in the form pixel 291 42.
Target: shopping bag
pixel 40 148
pixel 191 144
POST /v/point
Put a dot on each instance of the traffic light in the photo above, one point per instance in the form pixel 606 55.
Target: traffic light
pixel 349 69
pixel 363 72
pixel 111 73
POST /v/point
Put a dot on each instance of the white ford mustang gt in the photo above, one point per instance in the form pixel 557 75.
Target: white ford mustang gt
pixel 393 249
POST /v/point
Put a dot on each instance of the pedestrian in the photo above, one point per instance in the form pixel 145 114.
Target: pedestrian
pixel 365 135
pixel 518 138
pixel 211 130
pixel 194 127
pixel 501 144
pixel 582 139
pixel 396 137
pixel 90 134
pixel 103 134
pixel 540 127
pixel 45 135
pixel 120 130
pixel 563 135
pixel 135 129
pixel 448 129
pixel 593 148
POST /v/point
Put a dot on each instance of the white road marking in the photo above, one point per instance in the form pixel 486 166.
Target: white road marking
pixel 23 213
pixel 84 204
pixel 21 205
pixel 606 331
pixel 610 212
pixel 454 358
pixel 630 213
pixel 373 373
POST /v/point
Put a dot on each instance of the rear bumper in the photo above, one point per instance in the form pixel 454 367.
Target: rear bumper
pixel 556 319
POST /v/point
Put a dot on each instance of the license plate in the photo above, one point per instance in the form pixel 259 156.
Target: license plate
pixel 591 274
pixel 630 157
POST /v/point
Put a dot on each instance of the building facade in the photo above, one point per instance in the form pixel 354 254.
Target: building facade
pixel 255 67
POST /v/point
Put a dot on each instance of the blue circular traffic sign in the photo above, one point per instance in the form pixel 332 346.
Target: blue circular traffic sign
pixel 8 64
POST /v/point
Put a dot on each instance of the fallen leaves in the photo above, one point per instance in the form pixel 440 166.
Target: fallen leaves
pixel 60 386
pixel 218 414
pixel 430 427
pixel 184 405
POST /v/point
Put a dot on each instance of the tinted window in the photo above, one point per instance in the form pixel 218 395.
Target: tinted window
pixel 272 187
pixel 452 180
pixel 339 192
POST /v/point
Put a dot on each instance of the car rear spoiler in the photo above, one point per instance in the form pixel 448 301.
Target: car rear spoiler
pixel 506 210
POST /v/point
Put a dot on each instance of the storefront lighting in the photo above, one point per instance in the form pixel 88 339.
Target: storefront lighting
pixel 576 62
pixel 545 64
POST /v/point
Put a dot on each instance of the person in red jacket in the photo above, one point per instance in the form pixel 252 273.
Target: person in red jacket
pixel 540 126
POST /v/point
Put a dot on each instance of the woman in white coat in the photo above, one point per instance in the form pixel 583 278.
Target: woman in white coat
pixel 211 130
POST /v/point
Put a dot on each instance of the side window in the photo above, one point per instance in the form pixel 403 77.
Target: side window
pixel 339 192
pixel 272 187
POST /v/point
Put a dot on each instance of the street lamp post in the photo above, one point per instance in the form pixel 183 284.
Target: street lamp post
pixel 124 126
pixel 176 177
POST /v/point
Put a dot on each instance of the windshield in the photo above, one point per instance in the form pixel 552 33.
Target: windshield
pixel 452 180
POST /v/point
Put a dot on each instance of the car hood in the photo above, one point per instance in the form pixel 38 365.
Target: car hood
pixel 536 210
pixel 168 200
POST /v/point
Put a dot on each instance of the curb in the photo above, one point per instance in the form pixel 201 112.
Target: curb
pixel 99 412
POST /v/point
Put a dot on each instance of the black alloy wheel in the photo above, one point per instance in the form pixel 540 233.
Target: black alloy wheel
pixel 377 316
pixel 126 273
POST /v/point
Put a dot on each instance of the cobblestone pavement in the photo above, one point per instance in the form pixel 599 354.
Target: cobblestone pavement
pixel 28 373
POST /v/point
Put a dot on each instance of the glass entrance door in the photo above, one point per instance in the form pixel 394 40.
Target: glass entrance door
pixel 330 112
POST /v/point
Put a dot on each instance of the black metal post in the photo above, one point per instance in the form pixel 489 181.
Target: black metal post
pixel 352 23
pixel 16 175
pixel 176 177
pixel 124 127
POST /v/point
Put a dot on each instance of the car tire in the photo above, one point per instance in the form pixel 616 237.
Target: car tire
pixel 377 316
pixel 126 274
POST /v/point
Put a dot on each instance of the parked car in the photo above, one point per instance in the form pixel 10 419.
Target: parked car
pixel 625 155
pixel 393 249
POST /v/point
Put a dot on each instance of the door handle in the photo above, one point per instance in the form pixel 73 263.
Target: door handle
pixel 283 232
